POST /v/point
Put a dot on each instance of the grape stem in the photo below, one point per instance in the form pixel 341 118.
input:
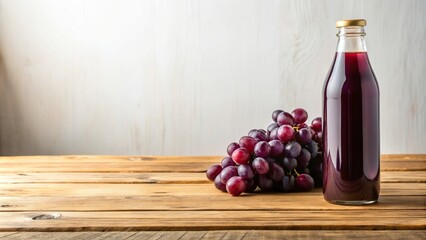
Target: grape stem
pixel 296 172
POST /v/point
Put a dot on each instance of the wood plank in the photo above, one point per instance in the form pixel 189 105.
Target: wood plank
pixel 68 189
pixel 214 220
pixel 230 234
pixel 276 202
pixel 136 164
pixel 163 178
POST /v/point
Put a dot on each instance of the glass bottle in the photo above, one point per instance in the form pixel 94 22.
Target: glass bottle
pixel 351 134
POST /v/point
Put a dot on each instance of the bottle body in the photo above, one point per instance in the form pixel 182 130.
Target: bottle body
pixel 351 133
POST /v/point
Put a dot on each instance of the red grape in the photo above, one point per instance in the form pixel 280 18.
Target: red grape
pixel 316 124
pixel 285 133
pixel 305 182
pixel 275 114
pixel 213 171
pixel 262 149
pixel 227 173
pixel 235 186
pixel 248 143
pixel 241 156
pixel 227 161
pixel 303 136
pixel 245 171
pixel 218 184
pixel 299 115
pixel 260 165
pixel 232 147
pixel 285 118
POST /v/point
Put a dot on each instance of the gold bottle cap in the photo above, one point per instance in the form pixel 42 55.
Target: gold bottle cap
pixel 351 22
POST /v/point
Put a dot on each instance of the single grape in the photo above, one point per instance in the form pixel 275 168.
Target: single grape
pixel 213 171
pixel 264 183
pixel 277 148
pixel 299 115
pixel 251 132
pixel 245 171
pixel 226 162
pixel 263 130
pixel 262 149
pixel 259 135
pixel 316 124
pixel 241 156
pixel 285 118
pixel 303 136
pixel 305 182
pixel 288 183
pixel 273 135
pixel 235 186
pixel 260 165
pixel 318 138
pixel 232 147
pixel 312 148
pixel 275 114
pixel 218 184
pixel 250 186
pixel 292 149
pixel 271 127
pixel 307 171
pixel 275 172
pixel 289 163
pixel 285 133
pixel 302 125
pixel 270 160
pixel 227 173
pixel 248 143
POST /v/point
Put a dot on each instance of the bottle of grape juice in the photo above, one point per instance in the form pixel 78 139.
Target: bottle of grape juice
pixel 351 121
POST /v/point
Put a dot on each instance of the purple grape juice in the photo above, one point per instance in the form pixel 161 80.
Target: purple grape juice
pixel 351 129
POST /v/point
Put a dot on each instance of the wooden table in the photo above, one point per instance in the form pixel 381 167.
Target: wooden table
pixel 138 197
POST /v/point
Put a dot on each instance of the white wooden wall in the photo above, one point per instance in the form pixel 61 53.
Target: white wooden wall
pixel 188 77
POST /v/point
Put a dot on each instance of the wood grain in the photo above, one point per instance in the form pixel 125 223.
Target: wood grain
pixel 213 220
pixel 231 235
pixel 72 199
pixel 164 177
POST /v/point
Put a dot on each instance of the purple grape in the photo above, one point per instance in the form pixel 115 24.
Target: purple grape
pixel 292 149
pixel 316 124
pixel 288 183
pixel 277 148
pixel 285 118
pixel 273 135
pixel 302 125
pixel 262 130
pixel 232 147
pixel 303 136
pixel 289 163
pixel 318 137
pixel 251 132
pixel 218 184
pixel 213 171
pixel 312 148
pixel 241 156
pixel 235 186
pixel 275 172
pixel 305 182
pixel 259 135
pixel 299 115
pixel 275 114
pixel 262 149
pixel 250 186
pixel 248 143
pixel 272 127
pixel 227 173
pixel 264 183
pixel 285 133
pixel 226 162
pixel 260 165
pixel 245 171
pixel 270 160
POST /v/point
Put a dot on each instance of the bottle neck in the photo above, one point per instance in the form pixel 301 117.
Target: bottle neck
pixel 351 39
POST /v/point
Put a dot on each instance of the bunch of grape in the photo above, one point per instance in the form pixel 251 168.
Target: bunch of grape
pixel 285 157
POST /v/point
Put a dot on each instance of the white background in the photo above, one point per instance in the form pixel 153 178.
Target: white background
pixel 189 77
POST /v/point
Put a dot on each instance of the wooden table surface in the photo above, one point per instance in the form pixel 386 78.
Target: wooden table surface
pixel 140 197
